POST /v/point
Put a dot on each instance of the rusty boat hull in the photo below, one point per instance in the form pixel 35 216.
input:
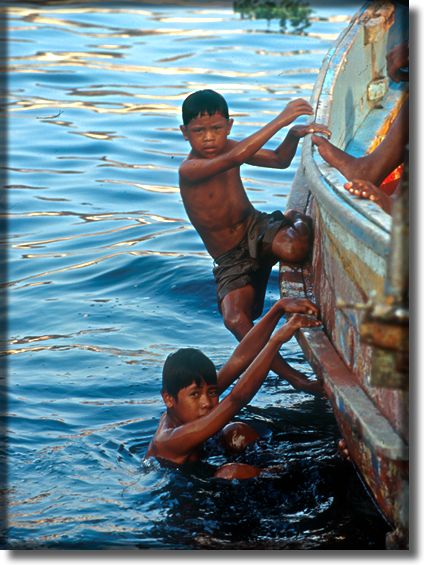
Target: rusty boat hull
pixel 361 352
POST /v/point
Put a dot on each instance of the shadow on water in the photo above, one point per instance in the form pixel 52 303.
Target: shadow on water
pixel 309 498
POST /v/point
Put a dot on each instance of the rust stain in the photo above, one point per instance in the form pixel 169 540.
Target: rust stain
pixel 382 132
pixel 387 336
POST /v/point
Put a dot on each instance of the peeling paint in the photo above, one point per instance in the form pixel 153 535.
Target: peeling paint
pixel 349 264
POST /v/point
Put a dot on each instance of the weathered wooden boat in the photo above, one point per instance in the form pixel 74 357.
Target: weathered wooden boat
pixel 358 273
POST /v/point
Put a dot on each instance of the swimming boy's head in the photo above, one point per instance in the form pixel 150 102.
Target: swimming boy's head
pixel 189 384
pixel 204 102
pixel 184 367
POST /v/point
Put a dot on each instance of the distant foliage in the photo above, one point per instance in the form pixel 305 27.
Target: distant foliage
pixel 297 12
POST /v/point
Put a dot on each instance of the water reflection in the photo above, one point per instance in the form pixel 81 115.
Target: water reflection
pixel 297 12
pixel 106 275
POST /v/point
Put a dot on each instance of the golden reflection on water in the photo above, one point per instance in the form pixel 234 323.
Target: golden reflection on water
pixel 148 187
pixel 41 243
pixel 190 20
pixel 157 233
pixel 68 56
pixel 59 8
pixel 74 60
pixel 104 136
pixel 45 255
pixel 121 108
pixel 48 171
pixel 77 346
pixel 85 264
pixel 121 165
pixel 35 339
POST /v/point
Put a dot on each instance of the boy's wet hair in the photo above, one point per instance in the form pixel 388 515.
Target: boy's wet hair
pixel 184 367
pixel 204 102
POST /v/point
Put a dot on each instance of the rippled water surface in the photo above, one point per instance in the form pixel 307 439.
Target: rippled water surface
pixel 107 276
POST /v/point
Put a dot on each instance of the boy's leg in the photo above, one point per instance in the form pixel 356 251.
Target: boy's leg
pixel 239 471
pixel 237 309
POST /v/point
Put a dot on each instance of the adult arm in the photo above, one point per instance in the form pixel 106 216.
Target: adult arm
pixel 398 62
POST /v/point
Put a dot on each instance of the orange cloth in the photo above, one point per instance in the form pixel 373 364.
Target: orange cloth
pixel 390 183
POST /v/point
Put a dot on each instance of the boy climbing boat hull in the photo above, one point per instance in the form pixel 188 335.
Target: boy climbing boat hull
pixel 358 269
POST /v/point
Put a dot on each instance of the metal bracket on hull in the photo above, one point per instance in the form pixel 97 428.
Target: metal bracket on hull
pixel 377 89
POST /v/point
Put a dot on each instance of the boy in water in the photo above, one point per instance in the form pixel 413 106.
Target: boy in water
pixel 191 389
pixel 243 242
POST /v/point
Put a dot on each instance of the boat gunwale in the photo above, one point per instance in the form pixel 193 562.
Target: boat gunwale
pixel 351 403
pixel 370 224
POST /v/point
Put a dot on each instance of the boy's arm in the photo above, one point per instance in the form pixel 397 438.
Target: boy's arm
pixel 195 170
pixel 178 442
pixel 257 337
pixel 281 157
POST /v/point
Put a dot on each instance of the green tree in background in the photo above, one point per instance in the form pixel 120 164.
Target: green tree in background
pixel 297 12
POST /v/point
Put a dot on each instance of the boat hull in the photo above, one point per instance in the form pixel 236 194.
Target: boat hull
pixel 347 275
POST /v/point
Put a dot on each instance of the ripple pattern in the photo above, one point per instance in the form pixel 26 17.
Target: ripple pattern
pixel 105 276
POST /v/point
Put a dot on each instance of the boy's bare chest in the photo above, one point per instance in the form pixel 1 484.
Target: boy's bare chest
pixel 219 190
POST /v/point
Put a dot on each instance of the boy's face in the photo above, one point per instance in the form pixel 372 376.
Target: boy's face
pixel 192 402
pixel 208 134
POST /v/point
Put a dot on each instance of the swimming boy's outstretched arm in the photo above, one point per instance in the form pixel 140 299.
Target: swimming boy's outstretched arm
pixel 195 168
pixel 178 442
pixel 257 337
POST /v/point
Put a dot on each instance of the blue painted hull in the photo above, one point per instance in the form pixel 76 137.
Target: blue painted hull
pixel 347 276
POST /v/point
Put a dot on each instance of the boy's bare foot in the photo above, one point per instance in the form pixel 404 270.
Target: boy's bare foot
pixel 300 220
pixel 237 471
pixel 302 231
pixel 311 387
pixel 300 382
pixel 350 167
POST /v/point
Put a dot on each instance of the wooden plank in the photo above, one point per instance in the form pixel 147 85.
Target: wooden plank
pixel 350 399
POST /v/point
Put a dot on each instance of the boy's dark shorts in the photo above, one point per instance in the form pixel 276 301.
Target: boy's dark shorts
pixel 251 261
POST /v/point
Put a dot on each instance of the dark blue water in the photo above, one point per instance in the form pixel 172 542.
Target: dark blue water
pixel 107 276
